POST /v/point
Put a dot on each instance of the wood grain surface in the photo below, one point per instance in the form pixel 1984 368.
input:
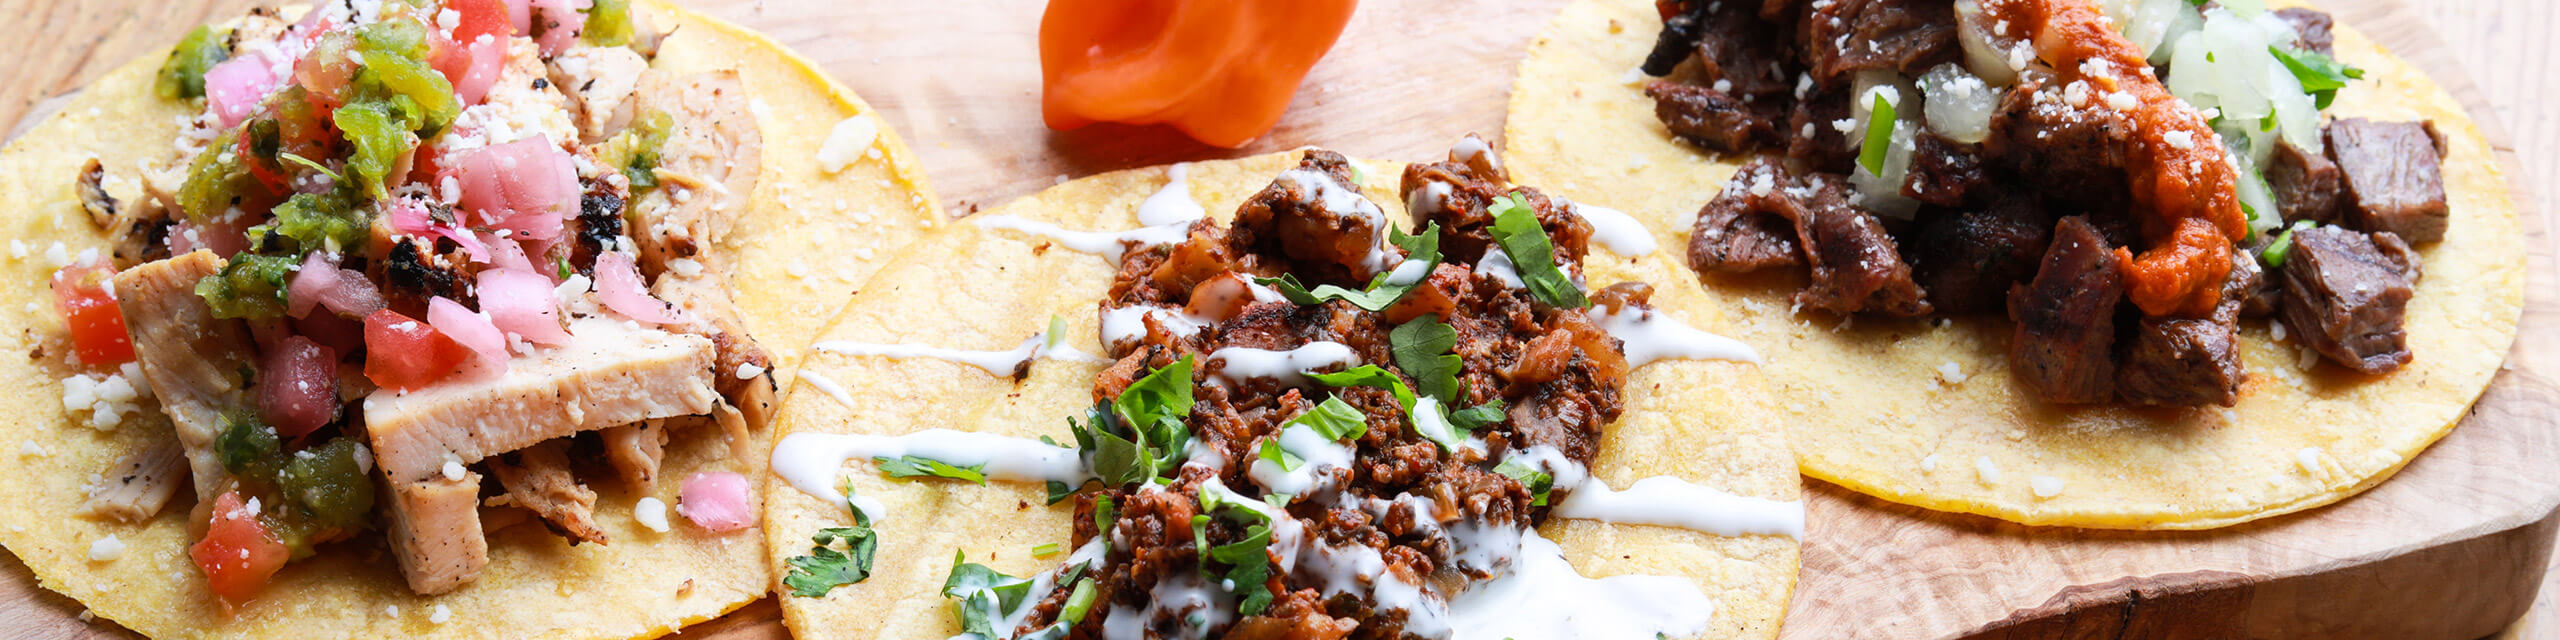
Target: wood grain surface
pixel 959 80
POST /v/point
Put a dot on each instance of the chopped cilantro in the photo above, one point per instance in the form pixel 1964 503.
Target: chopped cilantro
pixel 1141 435
pixel 1516 228
pixel 1105 513
pixel 1382 291
pixel 1538 481
pixel 1248 565
pixel 1422 350
pixel 919 466
pixel 1370 375
pixel 987 598
pixel 1334 419
pixel 2321 75
pixel 825 568
pixel 1475 417
pixel 1880 121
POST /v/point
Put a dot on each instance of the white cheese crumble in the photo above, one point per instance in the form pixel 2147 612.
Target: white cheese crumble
pixel 1990 473
pixel 848 143
pixel 652 513
pixel 57 256
pixel 29 449
pixel 747 370
pixel 106 399
pixel 1929 464
pixel 1952 372
pixel 685 267
pixel 391 610
pixel 442 614
pixel 452 470
pixel 2045 486
pixel 2309 458
pixel 106 549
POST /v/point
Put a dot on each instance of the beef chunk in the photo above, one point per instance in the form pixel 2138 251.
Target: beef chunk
pixel 2346 293
pixel 2063 346
pixel 2186 362
pixel 2265 291
pixel 1327 230
pixel 1814 141
pixel 2394 176
pixel 1908 36
pixel 2310 28
pixel 1749 226
pixel 1856 265
pixel 1737 51
pixel 2043 138
pixel 1943 171
pixel 1713 119
pixel 1968 260
pixel 2306 183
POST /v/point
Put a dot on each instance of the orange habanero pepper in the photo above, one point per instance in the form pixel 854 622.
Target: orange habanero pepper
pixel 1221 71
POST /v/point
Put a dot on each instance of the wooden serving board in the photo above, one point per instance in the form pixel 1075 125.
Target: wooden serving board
pixel 2451 548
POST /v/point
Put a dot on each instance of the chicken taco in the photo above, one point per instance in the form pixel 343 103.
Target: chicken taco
pixel 2147 264
pixel 456 318
pixel 1360 400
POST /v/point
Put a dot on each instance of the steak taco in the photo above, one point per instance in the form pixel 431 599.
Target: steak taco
pixel 2101 263
pixel 1373 401
pixel 453 318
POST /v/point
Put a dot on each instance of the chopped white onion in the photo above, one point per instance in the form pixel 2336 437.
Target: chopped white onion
pixel 1959 104
pixel 1985 53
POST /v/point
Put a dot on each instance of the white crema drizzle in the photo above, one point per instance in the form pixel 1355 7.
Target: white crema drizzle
pixel 811 462
pixel 1652 336
pixel 1291 366
pixel 1173 203
pixel 996 362
pixel 1108 244
pixel 1616 230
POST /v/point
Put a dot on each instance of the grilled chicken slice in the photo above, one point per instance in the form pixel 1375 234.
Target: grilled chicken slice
pixel 606 375
pixel 197 364
pixel 635 450
pixel 707 171
pixel 139 484
pixel 599 82
pixel 434 531
pixel 538 478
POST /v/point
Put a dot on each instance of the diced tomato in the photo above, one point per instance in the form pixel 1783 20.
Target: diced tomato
pixel 237 553
pixel 89 310
pixel 298 386
pixel 479 17
pixel 403 353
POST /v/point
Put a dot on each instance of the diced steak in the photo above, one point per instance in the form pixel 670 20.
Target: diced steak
pixel 2394 176
pixel 1749 226
pixel 2310 28
pixel 198 365
pixel 2346 293
pixel 2306 183
pixel 139 484
pixel 2063 347
pixel 2046 140
pixel 1715 120
pixel 2186 362
pixel 1856 265
pixel 1967 260
pixel 1737 52
pixel 538 479
pixel 1943 171
pixel 1814 138
pixel 434 531
pixel 1328 230
pixel 605 375
pixel 1907 36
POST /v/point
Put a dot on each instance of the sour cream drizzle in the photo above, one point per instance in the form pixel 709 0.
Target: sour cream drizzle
pixel 1544 597
pixel 811 461
pixel 1291 366
pixel 1672 502
pixel 996 362
pixel 1617 230
pixel 1173 203
pixel 1109 245
pixel 1651 336
pixel 1128 324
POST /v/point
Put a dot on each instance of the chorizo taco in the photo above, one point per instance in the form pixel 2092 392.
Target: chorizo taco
pixel 2143 264
pixel 443 319
pixel 1358 400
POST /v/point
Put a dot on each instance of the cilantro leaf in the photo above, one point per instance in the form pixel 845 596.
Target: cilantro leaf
pixel 1475 417
pixel 1422 349
pixel 2321 75
pixel 825 568
pixel 1369 375
pixel 919 466
pixel 1334 419
pixel 1383 289
pixel 1428 416
pixel 1280 457
pixel 1141 435
pixel 1538 481
pixel 1516 228
pixel 1248 565
pixel 987 598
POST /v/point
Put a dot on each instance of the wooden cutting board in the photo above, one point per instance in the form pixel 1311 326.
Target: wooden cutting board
pixel 2452 548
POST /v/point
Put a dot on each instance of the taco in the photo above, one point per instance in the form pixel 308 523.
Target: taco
pixel 431 319
pixel 1306 415
pixel 2102 263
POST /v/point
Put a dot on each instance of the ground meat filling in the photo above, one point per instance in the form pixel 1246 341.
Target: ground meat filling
pixel 1554 376
pixel 2096 209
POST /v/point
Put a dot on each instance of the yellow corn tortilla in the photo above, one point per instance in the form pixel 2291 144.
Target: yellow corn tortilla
pixel 975 288
pixel 808 240
pixel 1929 415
